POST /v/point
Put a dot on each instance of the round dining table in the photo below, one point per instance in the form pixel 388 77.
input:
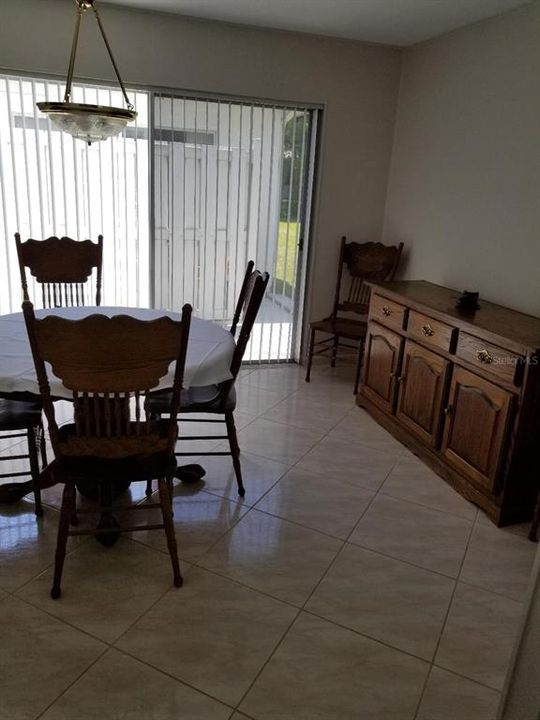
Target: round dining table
pixel 208 361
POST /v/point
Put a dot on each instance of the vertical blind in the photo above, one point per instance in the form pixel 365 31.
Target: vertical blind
pixel 230 185
pixel 51 184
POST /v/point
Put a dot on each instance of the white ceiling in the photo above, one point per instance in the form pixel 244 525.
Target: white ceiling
pixel 393 22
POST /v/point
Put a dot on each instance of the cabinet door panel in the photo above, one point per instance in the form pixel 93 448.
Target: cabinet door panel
pixel 475 429
pixel 421 391
pixel 380 365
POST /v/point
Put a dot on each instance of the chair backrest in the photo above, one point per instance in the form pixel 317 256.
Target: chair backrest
pixel 63 267
pixel 241 297
pixel 109 364
pixel 254 291
pixel 364 261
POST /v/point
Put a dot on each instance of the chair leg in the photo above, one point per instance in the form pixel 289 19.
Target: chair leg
pixel 43 447
pixel 335 346
pixel 533 534
pixel 358 367
pixel 148 491
pixel 235 451
pixel 310 355
pixel 74 518
pixel 166 511
pixel 68 506
pixel 170 487
pixel 33 443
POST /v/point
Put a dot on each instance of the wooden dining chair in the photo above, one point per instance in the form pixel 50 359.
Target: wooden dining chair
pixel 63 268
pixel 363 261
pixel 22 419
pixel 218 399
pixel 242 297
pixel 109 365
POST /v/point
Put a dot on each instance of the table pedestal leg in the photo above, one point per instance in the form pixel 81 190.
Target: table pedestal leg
pixel 107 520
pixel 190 473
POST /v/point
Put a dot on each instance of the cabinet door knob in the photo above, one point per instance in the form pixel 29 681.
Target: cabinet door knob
pixel 427 330
pixel 448 410
pixel 485 357
pixel 386 310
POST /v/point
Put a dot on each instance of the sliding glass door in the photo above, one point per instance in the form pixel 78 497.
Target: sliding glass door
pixel 231 184
pixel 184 198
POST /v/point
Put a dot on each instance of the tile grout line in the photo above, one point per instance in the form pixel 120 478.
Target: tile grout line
pixel 268 659
pixel 33 604
pixel 491 592
pixel 427 507
pixel 465 677
pixel 341 550
pixel 443 625
pixel 401 560
pixel 264 593
pixel 372 638
pixel 44 570
pixel 40 714
pixel 84 632
pixel 185 683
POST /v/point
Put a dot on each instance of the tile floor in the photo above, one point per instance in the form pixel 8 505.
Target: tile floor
pixel 351 582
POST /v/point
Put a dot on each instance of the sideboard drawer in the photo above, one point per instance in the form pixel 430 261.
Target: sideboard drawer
pixel 387 312
pixel 493 359
pixel 430 331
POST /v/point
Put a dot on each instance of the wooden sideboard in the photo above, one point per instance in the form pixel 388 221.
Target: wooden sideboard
pixel 461 390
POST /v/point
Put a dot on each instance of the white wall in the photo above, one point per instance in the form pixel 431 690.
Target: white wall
pixel 358 84
pixel 464 190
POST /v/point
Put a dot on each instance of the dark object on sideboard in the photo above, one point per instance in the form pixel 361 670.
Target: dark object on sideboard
pixel 468 301
pixel 462 391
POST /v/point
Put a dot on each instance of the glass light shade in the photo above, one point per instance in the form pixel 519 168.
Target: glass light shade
pixel 90 123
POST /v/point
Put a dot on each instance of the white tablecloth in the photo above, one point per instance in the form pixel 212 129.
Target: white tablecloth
pixel 209 353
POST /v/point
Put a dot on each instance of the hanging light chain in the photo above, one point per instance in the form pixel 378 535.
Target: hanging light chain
pixel 74 44
pixel 115 66
pixel 83 5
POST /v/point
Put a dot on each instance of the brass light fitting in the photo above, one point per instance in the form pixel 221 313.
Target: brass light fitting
pixel 90 123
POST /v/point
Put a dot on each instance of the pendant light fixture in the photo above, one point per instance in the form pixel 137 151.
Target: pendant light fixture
pixel 88 122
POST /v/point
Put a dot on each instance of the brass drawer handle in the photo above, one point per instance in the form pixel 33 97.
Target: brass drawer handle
pixel 427 330
pixel 485 357
pixel 386 310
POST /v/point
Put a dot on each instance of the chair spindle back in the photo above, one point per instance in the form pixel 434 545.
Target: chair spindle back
pixel 63 267
pixel 109 364
pixel 364 261
pixel 242 297
pixel 254 291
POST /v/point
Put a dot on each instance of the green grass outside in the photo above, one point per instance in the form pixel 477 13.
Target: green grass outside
pixel 286 254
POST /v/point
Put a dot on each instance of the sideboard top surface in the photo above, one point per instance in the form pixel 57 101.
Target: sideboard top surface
pixel 504 323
